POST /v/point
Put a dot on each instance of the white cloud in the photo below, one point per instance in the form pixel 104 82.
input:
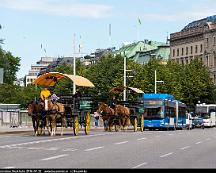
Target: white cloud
pixel 60 8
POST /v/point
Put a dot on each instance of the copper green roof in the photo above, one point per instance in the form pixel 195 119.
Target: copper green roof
pixel 142 51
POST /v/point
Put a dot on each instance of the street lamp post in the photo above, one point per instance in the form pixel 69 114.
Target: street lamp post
pixel 125 78
pixel 74 65
pixel 156 82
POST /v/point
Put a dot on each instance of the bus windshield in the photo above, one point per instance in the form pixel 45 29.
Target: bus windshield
pixel 153 113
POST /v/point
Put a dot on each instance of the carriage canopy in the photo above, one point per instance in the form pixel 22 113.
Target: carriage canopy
pixel 51 78
pixel 120 89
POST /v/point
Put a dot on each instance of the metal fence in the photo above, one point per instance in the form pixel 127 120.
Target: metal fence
pixel 15 118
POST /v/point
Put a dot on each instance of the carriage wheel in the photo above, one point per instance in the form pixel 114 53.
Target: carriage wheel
pixel 142 123
pixel 135 124
pixel 87 123
pixel 76 125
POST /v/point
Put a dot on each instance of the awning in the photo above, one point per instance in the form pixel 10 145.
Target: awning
pixel 51 78
pixel 80 81
pixel 136 90
pixel 120 89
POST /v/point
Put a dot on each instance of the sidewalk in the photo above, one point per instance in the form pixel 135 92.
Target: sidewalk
pixel 7 129
pixel 10 130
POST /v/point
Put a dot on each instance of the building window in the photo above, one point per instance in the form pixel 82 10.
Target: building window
pixel 173 52
pixel 177 52
pixel 177 60
pixel 201 48
pixel 214 58
pixel 182 53
pixel 207 61
pixel 196 48
pixel 214 40
pixel 186 50
pixel 207 41
pixel 191 49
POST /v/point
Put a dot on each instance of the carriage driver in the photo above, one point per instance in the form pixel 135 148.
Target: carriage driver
pixel 113 102
pixel 44 95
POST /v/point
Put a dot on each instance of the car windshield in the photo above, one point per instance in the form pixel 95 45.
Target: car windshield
pixel 197 120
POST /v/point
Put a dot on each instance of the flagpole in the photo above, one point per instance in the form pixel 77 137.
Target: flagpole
pixel 138 29
pixel 110 35
pixel 74 64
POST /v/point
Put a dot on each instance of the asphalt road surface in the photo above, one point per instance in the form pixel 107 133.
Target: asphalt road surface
pixel 124 149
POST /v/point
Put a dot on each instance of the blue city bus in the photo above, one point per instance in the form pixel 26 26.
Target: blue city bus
pixel 162 112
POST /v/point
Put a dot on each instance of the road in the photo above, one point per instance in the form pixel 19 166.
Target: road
pixel 125 149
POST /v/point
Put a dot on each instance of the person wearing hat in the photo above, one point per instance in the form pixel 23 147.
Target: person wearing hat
pixel 44 95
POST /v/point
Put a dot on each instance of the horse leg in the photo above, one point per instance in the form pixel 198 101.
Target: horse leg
pixel 105 125
pixel 48 125
pixel 53 125
pixel 110 124
pixel 63 124
pixel 34 127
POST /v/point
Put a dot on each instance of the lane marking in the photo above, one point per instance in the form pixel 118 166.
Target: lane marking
pixel 51 140
pixel 8 167
pixel 198 142
pixel 207 139
pixel 170 134
pixel 166 154
pixel 123 142
pixel 55 157
pixel 70 149
pixel 139 165
pixel 95 148
pixel 141 139
pixel 183 148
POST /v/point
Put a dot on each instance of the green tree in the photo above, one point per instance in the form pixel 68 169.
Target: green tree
pixel 10 64
pixel 197 84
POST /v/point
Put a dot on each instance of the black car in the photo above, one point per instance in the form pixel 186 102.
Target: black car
pixel 197 123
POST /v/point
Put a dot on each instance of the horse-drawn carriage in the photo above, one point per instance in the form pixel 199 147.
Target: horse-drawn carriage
pixel 76 111
pixel 125 113
pixel 136 114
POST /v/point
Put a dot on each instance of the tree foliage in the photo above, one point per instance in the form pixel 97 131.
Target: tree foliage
pixel 10 64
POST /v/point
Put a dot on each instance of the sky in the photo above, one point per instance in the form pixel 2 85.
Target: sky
pixel 32 29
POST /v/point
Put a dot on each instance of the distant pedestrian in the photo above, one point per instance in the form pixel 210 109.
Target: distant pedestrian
pixel 96 116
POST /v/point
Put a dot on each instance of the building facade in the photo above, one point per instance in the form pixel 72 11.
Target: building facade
pixel 36 68
pixel 196 40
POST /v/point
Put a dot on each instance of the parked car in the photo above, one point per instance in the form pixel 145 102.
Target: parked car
pixel 198 123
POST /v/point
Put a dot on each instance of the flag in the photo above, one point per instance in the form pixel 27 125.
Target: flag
pixel 41 46
pixel 139 21
pixel 109 29
pixel 45 50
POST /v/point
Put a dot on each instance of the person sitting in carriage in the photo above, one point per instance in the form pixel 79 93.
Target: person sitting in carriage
pixel 44 95
pixel 113 102
pixel 54 98
pixel 77 97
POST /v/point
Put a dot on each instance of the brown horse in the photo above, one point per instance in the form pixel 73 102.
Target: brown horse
pixel 35 111
pixel 107 114
pixel 124 115
pixel 55 113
